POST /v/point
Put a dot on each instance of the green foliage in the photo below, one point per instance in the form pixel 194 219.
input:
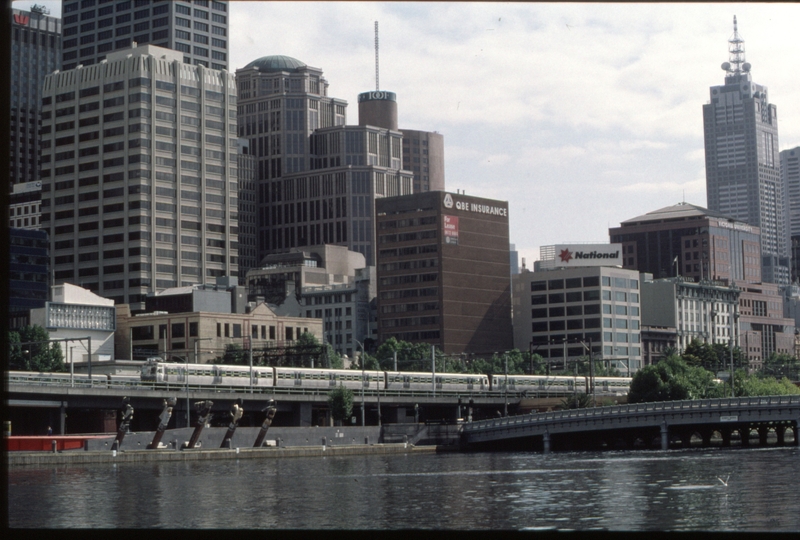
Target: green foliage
pixel 518 364
pixel 713 357
pixel 781 365
pixel 410 356
pixel 760 385
pixel 235 355
pixel 30 351
pixel 673 379
pixel 575 401
pixel 340 402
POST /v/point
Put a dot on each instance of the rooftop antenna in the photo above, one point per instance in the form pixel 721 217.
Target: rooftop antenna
pixel 377 79
pixel 736 63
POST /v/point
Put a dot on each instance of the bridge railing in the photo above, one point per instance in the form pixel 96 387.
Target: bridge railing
pixel 627 410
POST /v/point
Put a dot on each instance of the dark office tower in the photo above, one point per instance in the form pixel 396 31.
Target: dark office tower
pixel 94 28
pixel 35 52
pixel 790 176
pixel 443 272
pixel 248 227
pixel 28 274
pixel 743 177
pixel 423 154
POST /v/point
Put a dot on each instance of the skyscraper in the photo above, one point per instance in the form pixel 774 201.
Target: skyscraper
pixel 317 178
pixel 139 174
pixel 35 52
pixel 423 154
pixel 94 28
pixel 790 176
pixel 743 178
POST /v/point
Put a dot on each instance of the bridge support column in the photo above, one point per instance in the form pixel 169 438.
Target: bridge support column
pixel 796 431
pixel 763 431
pixel 664 436
pixel 706 435
pixel 780 433
pixel 744 433
pixel 546 442
pixel 726 437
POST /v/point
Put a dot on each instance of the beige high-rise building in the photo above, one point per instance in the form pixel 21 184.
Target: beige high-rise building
pixel 139 174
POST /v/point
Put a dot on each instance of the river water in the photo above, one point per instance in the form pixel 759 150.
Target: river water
pixel 679 490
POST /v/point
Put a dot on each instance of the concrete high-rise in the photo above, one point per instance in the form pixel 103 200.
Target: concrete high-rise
pixel 743 178
pixel 94 28
pixel 317 177
pixel 35 52
pixel 790 176
pixel 139 174
pixel 423 154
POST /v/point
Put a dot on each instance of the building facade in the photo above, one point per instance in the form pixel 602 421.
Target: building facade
pixel 423 154
pixel 248 210
pixel 202 336
pixel 690 241
pixel 443 272
pixel 564 313
pixel 35 52
pixel 706 311
pixel 765 330
pixel 28 274
pixel 95 28
pixel 87 320
pixel 743 177
pixel 324 282
pixel 24 208
pixel 139 176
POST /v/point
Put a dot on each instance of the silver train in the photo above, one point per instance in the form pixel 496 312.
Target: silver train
pixel 289 377
pixel 155 371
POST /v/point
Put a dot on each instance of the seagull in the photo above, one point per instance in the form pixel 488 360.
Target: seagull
pixel 724 482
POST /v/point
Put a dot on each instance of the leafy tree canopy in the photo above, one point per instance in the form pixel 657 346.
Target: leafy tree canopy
pixel 340 402
pixel 673 379
pixel 30 350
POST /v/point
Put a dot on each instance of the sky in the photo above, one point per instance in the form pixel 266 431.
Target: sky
pixel 580 115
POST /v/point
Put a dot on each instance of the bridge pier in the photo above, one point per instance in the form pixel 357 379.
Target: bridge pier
pixel 796 429
pixel 780 433
pixel 744 434
pixel 706 435
pixel 664 436
pixel 546 442
pixel 726 437
pixel 763 432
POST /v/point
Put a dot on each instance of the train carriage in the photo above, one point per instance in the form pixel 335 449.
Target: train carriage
pixel 328 378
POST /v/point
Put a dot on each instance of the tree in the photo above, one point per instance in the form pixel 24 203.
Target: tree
pixel 781 365
pixel 235 355
pixel 673 379
pixel 575 401
pixel 760 385
pixel 31 350
pixel 410 356
pixel 340 402
pixel 308 350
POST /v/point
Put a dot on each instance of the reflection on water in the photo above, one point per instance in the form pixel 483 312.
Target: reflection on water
pixel 676 490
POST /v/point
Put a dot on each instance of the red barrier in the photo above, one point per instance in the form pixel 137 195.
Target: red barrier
pixel 45 443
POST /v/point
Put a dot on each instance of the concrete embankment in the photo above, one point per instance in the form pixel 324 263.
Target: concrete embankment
pixel 79 457
pixel 280 443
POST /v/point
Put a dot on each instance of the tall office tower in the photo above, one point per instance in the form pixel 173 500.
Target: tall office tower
pixel 94 28
pixel 139 179
pixel 317 178
pixel 248 205
pixel 790 177
pixel 35 52
pixel 743 178
pixel 423 154
pixel 443 272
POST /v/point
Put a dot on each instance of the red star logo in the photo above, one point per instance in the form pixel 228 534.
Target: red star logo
pixel 565 255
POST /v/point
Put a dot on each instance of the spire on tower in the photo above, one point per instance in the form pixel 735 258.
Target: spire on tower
pixel 377 80
pixel 736 63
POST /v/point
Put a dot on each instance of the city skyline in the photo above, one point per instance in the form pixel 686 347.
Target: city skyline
pixel 544 133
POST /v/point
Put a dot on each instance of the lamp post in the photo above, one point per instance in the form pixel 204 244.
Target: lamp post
pixel 196 353
pixel 362 380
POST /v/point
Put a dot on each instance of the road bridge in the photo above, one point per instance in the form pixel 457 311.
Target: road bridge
pixel 653 425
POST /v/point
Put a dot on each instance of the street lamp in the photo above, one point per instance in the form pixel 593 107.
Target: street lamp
pixel 362 379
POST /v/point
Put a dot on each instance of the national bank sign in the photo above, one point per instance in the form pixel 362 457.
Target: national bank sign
pixel 574 255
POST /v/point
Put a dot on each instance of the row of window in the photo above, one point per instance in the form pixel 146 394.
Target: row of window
pixel 576 283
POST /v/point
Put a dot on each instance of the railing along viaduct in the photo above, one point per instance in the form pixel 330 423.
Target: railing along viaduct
pixel 642 425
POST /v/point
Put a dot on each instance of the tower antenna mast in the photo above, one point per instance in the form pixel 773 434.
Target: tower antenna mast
pixel 377 79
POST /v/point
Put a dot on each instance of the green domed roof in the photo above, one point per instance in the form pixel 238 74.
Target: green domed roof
pixel 276 63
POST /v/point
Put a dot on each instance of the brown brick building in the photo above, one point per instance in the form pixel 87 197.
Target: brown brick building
pixel 443 271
